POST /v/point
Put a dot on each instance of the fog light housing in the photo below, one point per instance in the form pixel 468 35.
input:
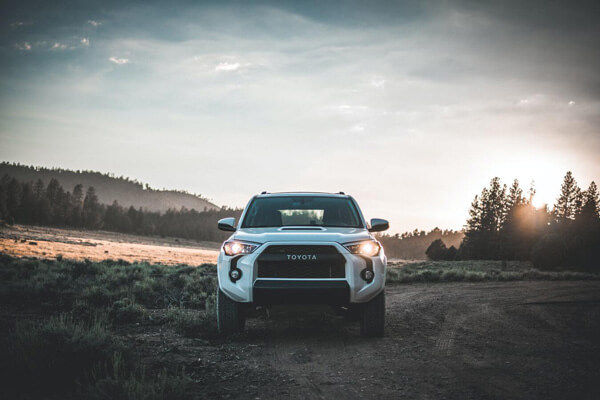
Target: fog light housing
pixel 235 274
pixel 367 275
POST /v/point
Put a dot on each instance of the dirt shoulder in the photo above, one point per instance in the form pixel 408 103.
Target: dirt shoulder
pixel 518 340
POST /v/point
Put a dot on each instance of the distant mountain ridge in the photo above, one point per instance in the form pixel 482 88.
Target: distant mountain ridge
pixel 109 188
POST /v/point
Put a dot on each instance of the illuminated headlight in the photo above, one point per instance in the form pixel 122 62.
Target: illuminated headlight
pixel 367 248
pixel 235 247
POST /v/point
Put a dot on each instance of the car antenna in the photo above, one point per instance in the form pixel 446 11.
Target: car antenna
pixel 264 192
pixel 341 193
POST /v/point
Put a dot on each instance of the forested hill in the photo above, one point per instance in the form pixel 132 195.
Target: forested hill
pixel 109 188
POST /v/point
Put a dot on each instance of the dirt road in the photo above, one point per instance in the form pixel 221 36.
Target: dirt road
pixel 517 340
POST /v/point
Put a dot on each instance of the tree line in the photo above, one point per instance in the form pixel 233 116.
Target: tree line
pixel 504 225
pixel 51 205
pixel 413 245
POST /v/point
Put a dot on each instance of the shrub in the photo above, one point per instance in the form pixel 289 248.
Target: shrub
pixel 117 382
pixel 51 356
pixel 125 311
pixel 83 311
pixel 98 295
pixel 194 324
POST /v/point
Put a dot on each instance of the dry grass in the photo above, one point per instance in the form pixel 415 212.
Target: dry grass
pixel 52 243
pixel 403 271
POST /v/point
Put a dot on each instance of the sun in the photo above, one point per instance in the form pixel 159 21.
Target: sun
pixel 540 172
pixel 538 202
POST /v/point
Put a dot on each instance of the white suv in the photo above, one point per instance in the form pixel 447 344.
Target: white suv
pixel 307 248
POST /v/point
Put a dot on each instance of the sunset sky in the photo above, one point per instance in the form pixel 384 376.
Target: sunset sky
pixel 411 107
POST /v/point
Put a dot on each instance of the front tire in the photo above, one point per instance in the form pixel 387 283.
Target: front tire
pixel 373 317
pixel 231 315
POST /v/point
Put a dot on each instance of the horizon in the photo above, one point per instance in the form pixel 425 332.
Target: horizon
pixel 412 108
pixel 146 186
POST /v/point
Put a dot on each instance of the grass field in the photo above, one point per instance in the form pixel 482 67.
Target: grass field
pixel 60 322
pixel 67 324
pixel 99 315
pixel 475 271
pixel 50 243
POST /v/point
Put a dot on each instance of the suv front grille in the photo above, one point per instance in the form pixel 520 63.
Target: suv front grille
pixel 283 261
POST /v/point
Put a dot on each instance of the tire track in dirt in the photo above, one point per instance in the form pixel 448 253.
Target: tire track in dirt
pixel 453 341
pixel 445 341
pixel 309 363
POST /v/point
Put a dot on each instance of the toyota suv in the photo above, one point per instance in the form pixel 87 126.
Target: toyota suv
pixel 306 248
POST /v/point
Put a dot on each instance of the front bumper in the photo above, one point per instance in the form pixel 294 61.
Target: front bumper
pixel 351 289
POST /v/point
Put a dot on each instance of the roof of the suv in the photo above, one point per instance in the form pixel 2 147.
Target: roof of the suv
pixel 320 194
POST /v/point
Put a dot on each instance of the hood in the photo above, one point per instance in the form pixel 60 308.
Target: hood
pixel 302 234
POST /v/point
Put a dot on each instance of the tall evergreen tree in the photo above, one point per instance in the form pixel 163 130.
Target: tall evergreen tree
pixel 13 200
pixel 568 203
pixel 76 215
pixel 515 205
pixel 591 203
pixel 4 197
pixel 515 196
pixel 78 194
pixel 92 211
pixel 486 217
pixel 493 206
pixel 39 189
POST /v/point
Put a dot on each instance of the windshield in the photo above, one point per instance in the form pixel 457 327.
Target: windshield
pixel 301 211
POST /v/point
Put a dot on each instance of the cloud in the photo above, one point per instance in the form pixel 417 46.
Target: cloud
pixel 119 61
pixel 85 42
pixel 58 46
pixel 94 23
pixel 346 109
pixel 227 66
pixel 23 46
pixel 378 82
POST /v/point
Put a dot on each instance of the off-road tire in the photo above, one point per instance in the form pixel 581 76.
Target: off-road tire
pixel 373 317
pixel 231 315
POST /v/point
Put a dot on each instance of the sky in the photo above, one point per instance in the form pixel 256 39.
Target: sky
pixel 411 107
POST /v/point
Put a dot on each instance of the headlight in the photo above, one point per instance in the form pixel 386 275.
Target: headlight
pixel 367 248
pixel 235 247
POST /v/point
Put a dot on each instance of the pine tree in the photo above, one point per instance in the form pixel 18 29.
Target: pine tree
pixel 508 231
pixel 39 189
pixel 437 250
pixel 591 203
pixel 568 205
pixel 76 216
pixel 515 196
pixel 13 200
pixel 92 210
pixel 474 221
pixel 78 194
pixel 493 206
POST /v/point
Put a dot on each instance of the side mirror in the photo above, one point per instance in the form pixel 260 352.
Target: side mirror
pixel 378 225
pixel 227 224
